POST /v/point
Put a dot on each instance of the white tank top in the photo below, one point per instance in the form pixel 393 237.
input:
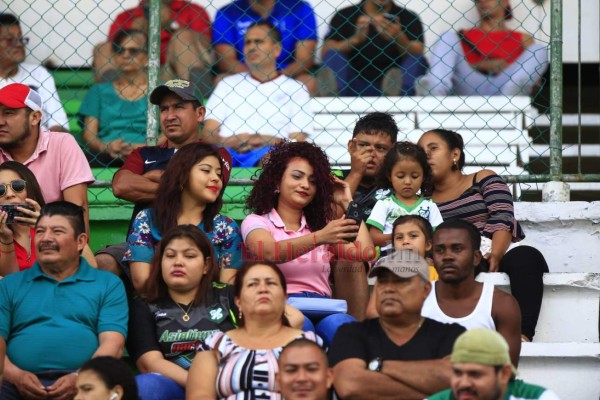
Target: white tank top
pixel 481 317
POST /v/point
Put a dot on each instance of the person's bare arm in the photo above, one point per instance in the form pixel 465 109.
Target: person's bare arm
pixel 362 249
pixel 261 243
pixel 227 60
pixel 202 377
pixel 91 127
pixel 425 377
pixel 507 317
pixel 359 160
pixel 304 59
pixel 352 380
pixel 135 188
pixel 140 272
pixel 154 361
pixel 380 238
pixel 111 344
pixel 77 194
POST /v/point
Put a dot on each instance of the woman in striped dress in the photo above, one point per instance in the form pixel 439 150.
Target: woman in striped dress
pixel 242 363
pixel 483 198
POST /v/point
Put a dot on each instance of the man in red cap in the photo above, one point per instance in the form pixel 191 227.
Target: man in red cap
pixel 181 114
pixel 54 157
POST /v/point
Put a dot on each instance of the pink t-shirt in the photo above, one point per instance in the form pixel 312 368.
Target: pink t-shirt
pixel 57 163
pixel 307 273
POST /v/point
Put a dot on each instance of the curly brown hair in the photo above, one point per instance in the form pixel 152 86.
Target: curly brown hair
pixel 263 198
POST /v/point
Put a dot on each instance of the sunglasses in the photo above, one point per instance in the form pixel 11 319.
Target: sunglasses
pixel 133 51
pixel 18 185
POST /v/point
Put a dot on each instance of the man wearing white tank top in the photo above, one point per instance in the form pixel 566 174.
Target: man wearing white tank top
pixel 457 298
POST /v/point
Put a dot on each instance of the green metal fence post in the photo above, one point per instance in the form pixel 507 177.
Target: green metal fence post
pixel 153 68
pixel 556 90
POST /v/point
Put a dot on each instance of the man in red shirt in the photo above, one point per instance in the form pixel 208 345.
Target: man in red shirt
pixel 184 41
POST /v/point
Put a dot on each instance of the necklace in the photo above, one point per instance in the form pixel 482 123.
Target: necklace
pixel 185 316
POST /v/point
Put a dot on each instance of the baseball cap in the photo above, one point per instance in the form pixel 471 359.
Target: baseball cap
pixel 180 87
pixel 404 263
pixel 227 164
pixel 17 95
pixel 481 346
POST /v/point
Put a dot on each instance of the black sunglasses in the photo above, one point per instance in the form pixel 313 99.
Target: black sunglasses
pixel 18 185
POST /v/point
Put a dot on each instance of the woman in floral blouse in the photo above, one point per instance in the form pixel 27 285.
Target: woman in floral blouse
pixel 190 192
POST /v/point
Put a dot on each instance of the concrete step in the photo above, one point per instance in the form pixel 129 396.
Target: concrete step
pixel 570 307
pixel 567 234
pixel 572 370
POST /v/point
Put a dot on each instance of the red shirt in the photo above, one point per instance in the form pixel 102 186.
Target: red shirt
pixel 184 13
pixel 479 45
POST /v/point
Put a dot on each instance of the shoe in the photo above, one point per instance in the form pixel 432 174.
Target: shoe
pixel 391 85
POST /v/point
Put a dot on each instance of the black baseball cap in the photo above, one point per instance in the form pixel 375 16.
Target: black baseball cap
pixel 180 87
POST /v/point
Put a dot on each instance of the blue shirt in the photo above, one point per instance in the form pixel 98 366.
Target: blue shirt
pixel 225 238
pixel 52 325
pixel 294 18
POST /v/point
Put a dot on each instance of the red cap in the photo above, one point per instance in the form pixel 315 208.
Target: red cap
pixel 227 164
pixel 17 95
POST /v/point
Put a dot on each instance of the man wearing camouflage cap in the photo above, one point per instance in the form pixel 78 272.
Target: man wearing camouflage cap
pixel 399 355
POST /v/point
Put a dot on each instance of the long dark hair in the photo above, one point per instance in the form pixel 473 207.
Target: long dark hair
pixel 34 191
pixel 263 197
pixel 156 287
pixel 167 204
pixel 239 283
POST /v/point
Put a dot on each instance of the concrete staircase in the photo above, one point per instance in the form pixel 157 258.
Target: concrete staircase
pixel 565 354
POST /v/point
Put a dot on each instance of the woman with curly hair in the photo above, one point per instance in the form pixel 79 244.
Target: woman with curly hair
pixel 190 192
pixel 294 223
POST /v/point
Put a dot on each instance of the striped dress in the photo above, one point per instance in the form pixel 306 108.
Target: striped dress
pixel 247 374
pixel 488 205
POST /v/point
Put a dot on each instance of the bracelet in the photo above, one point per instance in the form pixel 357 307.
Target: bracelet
pixel 7 252
pixel 7 244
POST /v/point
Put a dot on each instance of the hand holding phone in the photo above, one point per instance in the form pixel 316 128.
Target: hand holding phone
pixel 11 210
pixel 354 212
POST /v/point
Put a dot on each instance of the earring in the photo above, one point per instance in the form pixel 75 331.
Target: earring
pixel 276 191
pixel 240 315
pixel 454 165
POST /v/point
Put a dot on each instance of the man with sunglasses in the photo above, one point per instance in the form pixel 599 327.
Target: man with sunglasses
pixel 14 70
pixel 54 157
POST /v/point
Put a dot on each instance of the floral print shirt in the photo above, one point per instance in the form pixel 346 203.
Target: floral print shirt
pixel 225 238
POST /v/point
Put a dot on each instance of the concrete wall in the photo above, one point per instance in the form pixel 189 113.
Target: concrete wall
pixel 568 234
pixel 65 31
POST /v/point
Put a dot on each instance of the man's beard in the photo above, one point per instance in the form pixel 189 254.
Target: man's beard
pixel 20 139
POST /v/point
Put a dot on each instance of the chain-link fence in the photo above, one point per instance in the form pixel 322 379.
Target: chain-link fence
pixel 476 67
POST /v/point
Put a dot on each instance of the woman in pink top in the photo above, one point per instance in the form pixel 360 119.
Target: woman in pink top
pixel 18 186
pixel 296 204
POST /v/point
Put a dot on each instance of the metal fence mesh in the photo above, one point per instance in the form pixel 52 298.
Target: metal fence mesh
pixel 428 67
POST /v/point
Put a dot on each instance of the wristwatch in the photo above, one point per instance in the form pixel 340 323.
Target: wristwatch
pixel 376 364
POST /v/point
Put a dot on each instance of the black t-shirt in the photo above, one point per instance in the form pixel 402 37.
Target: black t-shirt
pixel 367 197
pixel 376 54
pixel 367 340
pixel 159 326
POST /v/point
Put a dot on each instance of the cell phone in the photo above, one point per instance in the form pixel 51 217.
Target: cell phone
pixel 354 212
pixel 390 17
pixel 12 211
